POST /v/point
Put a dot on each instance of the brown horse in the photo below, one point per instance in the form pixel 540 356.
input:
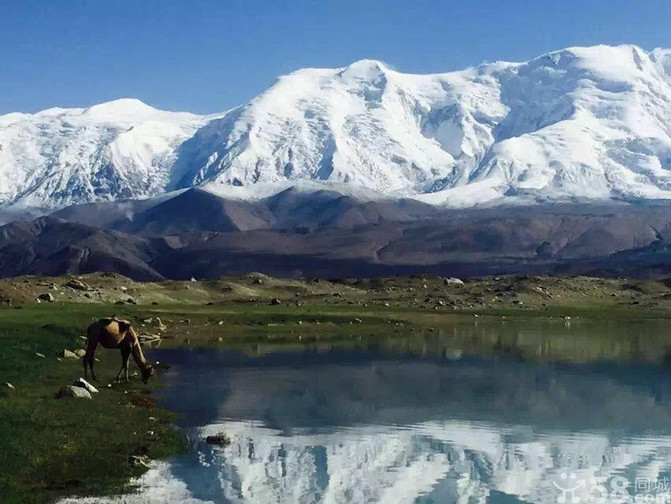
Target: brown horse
pixel 114 333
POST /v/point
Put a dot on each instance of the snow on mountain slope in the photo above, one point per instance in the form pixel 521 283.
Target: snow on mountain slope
pixel 115 150
pixel 582 122
pixel 365 125
pixel 591 122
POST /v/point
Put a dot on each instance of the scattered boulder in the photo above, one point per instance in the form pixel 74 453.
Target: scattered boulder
pixel 40 355
pixel 149 338
pixel 67 354
pixel 80 352
pixel 140 461
pixel 73 391
pixel 158 324
pixel 9 386
pixel 81 382
pixel 275 302
pixel 357 320
pixel 220 439
pixel 77 285
pixel 453 281
pixel 155 322
pixel 46 296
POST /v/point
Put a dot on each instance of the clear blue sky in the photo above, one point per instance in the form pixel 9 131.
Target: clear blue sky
pixel 209 55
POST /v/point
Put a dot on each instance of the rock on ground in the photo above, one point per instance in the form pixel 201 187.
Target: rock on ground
pixel 155 322
pixel 140 460
pixel 81 382
pixel 77 285
pixel 73 391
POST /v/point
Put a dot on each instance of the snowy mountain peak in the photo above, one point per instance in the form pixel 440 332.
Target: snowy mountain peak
pixel 582 122
pixel 115 150
pixel 121 109
pixel 613 63
pixel 365 69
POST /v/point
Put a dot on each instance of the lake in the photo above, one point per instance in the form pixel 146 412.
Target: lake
pixel 496 412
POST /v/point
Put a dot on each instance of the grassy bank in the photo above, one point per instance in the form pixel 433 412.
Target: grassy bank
pixel 53 447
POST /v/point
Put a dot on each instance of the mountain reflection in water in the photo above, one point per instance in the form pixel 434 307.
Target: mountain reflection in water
pixel 364 426
pixel 412 422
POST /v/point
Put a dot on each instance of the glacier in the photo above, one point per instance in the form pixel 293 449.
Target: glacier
pixel 583 123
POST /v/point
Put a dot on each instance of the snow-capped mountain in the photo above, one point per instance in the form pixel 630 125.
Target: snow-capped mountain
pixel 582 122
pixel 117 150
pixel 590 122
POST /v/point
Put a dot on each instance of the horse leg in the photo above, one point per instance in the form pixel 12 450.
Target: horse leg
pixel 125 355
pixel 118 376
pixel 125 365
pixel 90 357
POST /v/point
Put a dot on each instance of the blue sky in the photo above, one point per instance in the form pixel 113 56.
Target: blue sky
pixel 207 56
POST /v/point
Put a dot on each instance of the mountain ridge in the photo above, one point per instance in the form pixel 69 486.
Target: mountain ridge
pixel 326 234
pixel 582 123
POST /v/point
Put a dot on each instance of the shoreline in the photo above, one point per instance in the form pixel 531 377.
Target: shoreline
pixel 54 448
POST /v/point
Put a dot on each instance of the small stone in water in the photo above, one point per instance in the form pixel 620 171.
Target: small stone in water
pixel 220 439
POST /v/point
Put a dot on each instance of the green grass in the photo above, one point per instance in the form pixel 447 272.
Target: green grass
pixel 51 448
pixel 54 447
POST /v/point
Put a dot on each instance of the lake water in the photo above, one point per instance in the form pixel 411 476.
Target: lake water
pixel 506 418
